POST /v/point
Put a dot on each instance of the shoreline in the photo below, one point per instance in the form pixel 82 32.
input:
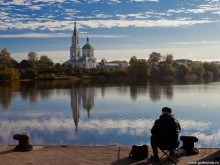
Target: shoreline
pixel 93 155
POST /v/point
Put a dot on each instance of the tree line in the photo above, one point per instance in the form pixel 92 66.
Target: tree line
pixel 154 67
pixel 161 66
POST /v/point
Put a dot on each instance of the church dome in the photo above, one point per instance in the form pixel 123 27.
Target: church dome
pixel 88 46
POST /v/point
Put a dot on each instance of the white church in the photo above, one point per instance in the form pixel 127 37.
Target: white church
pixel 85 59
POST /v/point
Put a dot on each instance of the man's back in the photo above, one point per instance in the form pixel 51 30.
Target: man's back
pixel 166 128
pixel 165 132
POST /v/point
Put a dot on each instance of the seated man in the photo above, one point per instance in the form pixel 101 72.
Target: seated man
pixel 165 130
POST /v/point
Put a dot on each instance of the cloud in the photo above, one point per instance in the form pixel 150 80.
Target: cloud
pixel 35 7
pixel 195 43
pixel 16 2
pixel 57 18
pixel 138 127
pixel 29 2
pixel 68 25
pixel 204 8
pixel 111 2
pixel 54 1
pixel 141 23
pixel 94 1
pixel 36 17
pixel 58 35
pixel 103 16
pixel 35 35
pixel 144 0
pixel 134 16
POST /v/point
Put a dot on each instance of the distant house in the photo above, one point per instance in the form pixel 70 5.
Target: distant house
pixel 217 62
pixel 112 65
pixel 181 61
pixel 8 63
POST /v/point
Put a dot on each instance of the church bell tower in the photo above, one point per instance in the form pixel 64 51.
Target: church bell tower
pixel 75 50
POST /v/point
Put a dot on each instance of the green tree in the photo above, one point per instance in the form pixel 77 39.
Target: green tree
pixel 208 74
pixel 166 70
pixel 139 68
pixel 45 58
pixel 211 67
pixel 154 58
pixel 58 66
pixel 154 71
pixel 143 68
pixel 182 70
pixel 29 73
pixel 133 60
pixel 45 62
pixel 133 69
pixel 168 59
pixel 8 73
pixel 198 69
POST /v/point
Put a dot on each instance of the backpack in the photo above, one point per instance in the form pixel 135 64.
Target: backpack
pixel 139 152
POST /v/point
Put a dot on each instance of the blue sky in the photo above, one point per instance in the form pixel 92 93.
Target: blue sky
pixel 118 29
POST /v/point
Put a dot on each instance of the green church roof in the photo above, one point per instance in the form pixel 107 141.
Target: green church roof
pixel 87 46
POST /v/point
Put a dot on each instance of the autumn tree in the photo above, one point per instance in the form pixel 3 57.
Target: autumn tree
pixel 32 56
pixel 5 55
pixel 168 59
pixel 8 73
pixel 6 59
pixel 154 58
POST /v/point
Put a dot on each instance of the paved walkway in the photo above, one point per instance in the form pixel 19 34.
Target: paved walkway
pixel 93 155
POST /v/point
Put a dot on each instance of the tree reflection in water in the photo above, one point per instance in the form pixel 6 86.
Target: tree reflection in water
pixel 34 90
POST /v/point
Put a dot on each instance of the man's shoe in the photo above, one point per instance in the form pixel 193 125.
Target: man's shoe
pixel 155 157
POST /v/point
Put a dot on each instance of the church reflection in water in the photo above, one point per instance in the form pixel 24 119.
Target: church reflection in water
pixel 82 96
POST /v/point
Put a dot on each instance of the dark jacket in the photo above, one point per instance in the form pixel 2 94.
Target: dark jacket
pixel 166 128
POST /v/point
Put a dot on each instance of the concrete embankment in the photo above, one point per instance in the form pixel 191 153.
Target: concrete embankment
pixel 93 155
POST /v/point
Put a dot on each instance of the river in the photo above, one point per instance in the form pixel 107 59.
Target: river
pixel 98 112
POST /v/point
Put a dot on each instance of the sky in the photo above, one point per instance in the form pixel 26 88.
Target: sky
pixel 118 29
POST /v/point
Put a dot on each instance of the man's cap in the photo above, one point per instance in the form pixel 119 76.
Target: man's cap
pixel 166 109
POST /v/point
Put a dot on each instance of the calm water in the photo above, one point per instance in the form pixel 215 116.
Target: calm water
pixel 104 113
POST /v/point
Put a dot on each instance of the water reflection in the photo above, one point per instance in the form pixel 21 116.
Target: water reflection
pixel 68 112
pixel 35 90
pixel 6 94
pixel 45 131
pixel 75 104
pixel 80 95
